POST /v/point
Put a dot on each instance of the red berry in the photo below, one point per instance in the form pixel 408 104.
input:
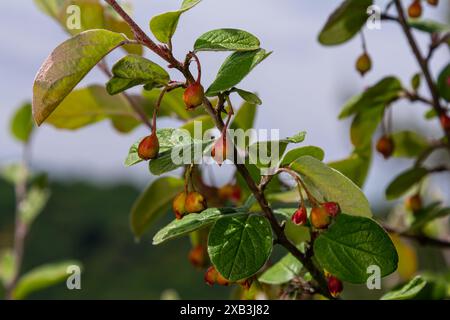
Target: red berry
pixel 300 216
pixel 433 2
pixel 414 203
pixel 195 202
pixel 415 9
pixel 178 205
pixel 197 256
pixel 320 218
pixel 230 192
pixel 149 147
pixel 212 276
pixel 363 64
pixel 335 286
pixel 332 208
pixel 445 122
pixel 193 95
pixel 385 146
pixel 219 150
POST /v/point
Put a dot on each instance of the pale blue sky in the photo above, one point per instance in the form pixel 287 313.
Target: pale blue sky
pixel 303 85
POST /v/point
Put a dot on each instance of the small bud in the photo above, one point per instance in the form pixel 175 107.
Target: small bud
pixel 178 205
pixel 230 192
pixel 363 64
pixel 197 256
pixel 414 203
pixel 332 208
pixel 300 216
pixel 195 202
pixel 320 218
pixel 445 122
pixel 415 9
pixel 193 95
pixel 433 3
pixel 219 150
pixel 149 147
pixel 335 286
pixel 415 82
pixel 385 146
pixel 212 276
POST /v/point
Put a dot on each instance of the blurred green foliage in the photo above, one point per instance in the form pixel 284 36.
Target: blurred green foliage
pixel 90 223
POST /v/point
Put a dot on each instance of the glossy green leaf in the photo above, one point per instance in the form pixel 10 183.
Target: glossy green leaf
pixel 330 185
pixel 444 83
pixel 355 167
pixel 408 144
pixel 163 26
pixel 192 222
pixel 89 105
pixel 408 291
pixel 345 22
pixel 226 40
pixel 404 182
pixel 351 245
pixel 172 105
pixel 22 123
pixel 178 156
pixel 153 203
pixel 59 75
pixel 247 96
pixel 283 271
pixel 134 70
pixel 42 277
pixel 296 153
pixel 381 94
pixel 240 246
pixel 235 68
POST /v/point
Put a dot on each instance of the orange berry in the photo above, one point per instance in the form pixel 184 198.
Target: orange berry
pixel 149 147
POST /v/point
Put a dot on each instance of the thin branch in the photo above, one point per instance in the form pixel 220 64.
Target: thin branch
pixel 423 63
pixel 242 169
pixel 420 238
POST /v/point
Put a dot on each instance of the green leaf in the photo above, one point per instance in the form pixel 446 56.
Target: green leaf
pixel 7 266
pixel 22 123
pixel 345 22
pixel 364 125
pixel 443 83
pixel 408 144
pixel 427 25
pixel 206 123
pixel 33 203
pixel 86 106
pixel 247 96
pixel 404 182
pixel 296 153
pixel 172 105
pixel 153 203
pixel 382 93
pixel 50 7
pixel 59 75
pixel 163 26
pixel 408 291
pixel 240 246
pixel 355 167
pixel 329 184
pixel 235 68
pixel 192 222
pixel 267 154
pixel 178 156
pixel 134 70
pixel 245 117
pixel 42 277
pixel 14 173
pixel 351 245
pixel 283 271
pixel 426 215
pixel 226 40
